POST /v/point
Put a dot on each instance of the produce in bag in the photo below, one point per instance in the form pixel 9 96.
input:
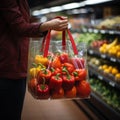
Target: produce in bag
pixel 60 71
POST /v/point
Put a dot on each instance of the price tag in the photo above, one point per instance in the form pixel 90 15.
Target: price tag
pixel 85 30
pixel 95 31
pixel 112 83
pixel 90 30
pixel 111 32
pixel 100 77
pixel 102 31
pixel 103 56
pixel 113 59
pixel 91 52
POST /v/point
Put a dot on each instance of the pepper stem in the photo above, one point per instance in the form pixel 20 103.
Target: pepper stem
pixel 43 85
pixel 41 65
pixel 75 73
pixel 65 70
pixel 57 76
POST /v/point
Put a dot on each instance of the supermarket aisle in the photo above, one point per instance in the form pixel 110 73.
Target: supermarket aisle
pixel 51 110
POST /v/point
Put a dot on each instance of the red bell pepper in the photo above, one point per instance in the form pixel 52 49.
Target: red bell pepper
pixel 80 74
pixel 43 91
pixel 68 80
pixel 71 93
pixel 68 66
pixel 64 57
pixel 83 89
pixel 44 74
pixel 55 82
pixel 54 71
pixel 57 94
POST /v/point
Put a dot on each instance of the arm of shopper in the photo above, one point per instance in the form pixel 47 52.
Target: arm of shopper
pixel 11 14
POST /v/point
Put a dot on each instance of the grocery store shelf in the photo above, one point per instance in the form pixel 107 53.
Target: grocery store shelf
pixel 91 112
pixel 96 52
pixel 101 76
pixel 105 109
pixel 102 31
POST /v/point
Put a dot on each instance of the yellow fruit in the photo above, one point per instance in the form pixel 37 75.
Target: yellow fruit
pixel 102 49
pixel 110 69
pixel 107 71
pixel 117 47
pixel 110 45
pixel 114 71
pixel 112 51
pixel 104 66
pixel 104 45
pixel 118 54
pixel 117 76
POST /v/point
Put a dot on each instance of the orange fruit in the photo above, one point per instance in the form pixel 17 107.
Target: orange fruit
pixel 114 71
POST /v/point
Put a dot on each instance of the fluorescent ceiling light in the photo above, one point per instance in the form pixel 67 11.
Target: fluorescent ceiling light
pixel 36 13
pixel 73 5
pixel 39 12
pixel 67 6
pixel 44 11
pixel 56 9
pixel 90 2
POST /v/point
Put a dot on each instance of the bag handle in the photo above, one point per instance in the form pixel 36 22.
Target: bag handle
pixel 72 42
pixel 48 37
pixel 47 42
pixel 63 41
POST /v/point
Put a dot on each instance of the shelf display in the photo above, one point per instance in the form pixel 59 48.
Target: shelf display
pixel 102 31
pixel 108 78
pixel 110 23
pixel 106 93
pixel 103 64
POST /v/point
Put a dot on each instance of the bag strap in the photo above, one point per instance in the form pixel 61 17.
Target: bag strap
pixel 47 42
pixel 63 41
pixel 48 37
pixel 72 42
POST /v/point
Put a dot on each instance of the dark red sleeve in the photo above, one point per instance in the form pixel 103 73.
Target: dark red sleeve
pixel 18 21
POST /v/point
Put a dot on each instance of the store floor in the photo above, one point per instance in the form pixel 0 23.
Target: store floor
pixel 51 110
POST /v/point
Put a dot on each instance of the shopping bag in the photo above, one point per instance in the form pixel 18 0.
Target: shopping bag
pixel 58 69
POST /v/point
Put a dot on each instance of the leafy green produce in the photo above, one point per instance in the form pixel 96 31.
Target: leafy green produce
pixel 110 95
pixel 88 38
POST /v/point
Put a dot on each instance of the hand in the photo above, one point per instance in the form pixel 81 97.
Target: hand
pixel 55 24
pixel 59 24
